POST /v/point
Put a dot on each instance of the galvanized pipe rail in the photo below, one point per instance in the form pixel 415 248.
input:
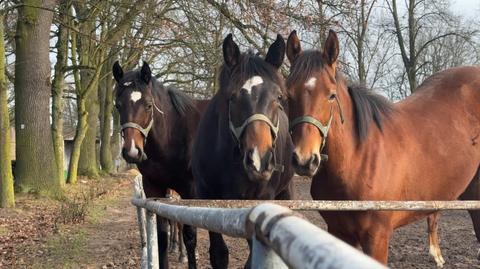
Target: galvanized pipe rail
pixel 280 238
pixel 329 205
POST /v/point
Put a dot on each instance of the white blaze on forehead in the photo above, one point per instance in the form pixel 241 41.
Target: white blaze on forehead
pixel 133 152
pixel 311 82
pixel 253 81
pixel 128 83
pixel 135 96
pixel 256 159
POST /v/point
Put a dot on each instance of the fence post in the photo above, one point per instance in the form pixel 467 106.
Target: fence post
pixel 263 257
pixel 142 222
pixel 152 241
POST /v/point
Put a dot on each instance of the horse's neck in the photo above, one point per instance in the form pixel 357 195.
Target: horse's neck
pixel 347 156
pixel 166 136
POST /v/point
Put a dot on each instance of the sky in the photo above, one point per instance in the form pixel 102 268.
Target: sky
pixel 467 8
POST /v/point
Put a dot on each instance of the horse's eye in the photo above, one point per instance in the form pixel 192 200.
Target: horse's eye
pixel 332 96
pixel 280 97
pixel 118 106
pixel 149 106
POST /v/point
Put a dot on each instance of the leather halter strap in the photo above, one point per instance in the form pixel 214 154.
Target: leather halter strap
pixel 322 128
pixel 238 131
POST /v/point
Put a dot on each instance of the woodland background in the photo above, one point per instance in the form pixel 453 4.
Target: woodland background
pixel 56 58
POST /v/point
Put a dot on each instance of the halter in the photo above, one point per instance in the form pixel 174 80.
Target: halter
pixel 322 128
pixel 137 126
pixel 238 131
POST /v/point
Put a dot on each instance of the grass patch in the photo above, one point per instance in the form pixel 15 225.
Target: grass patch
pixel 4 230
pixel 64 250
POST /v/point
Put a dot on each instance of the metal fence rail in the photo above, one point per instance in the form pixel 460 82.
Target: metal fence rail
pixel 281 239
pixel 328 205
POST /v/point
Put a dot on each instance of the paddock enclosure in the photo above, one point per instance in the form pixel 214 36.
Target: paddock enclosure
pixel 409 247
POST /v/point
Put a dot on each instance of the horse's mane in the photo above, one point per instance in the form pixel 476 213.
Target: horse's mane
pixel 368 106
pixel 250 65
pixel 180 101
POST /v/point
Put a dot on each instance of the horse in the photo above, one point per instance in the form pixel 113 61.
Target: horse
pixel 158 128
pixel 422 148
pixel 243 148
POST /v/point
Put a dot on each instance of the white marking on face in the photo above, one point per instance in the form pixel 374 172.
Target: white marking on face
pixel 251 82
pixel 128 83
pixel 133 152
pixel 311 82
pixel 135 96
pixel 256 159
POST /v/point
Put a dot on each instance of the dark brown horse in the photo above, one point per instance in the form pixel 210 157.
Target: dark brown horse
pixel 158 128
pixel 243 148
pixel 423 148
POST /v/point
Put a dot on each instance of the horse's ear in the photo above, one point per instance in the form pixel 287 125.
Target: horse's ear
pixel 276 52
pixel 117 71
pixel 146 73
pixel 331 48
pixel 293 46
pixel 231 52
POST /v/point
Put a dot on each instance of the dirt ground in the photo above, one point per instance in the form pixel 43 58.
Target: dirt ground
pixel 30 236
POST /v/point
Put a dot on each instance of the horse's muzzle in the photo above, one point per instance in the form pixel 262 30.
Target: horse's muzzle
pixel 306 168
pixel 136 155
pixel 259 168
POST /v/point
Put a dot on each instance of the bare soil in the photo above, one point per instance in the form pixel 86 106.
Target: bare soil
pixel 108 238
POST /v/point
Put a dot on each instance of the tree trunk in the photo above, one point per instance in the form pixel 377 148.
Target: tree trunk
pixel 57 91
pixel 87 165
pixel 106 160
pixel 116 138
pixel 35 165
pixel 82 112
pixel 7 198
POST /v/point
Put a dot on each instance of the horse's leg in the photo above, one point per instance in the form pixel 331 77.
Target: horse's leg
pixel 473 193
pixel 172 240
pixel 162 231
pixel 182 257
pixel 434 248
pixel 189 232
pixel 218 251
pixel 375 243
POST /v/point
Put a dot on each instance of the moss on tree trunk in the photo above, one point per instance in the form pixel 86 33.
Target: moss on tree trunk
pixel 7 198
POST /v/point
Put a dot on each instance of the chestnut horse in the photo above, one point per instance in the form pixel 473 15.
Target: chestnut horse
pixel 158 127
pixel 425 147
pixel 243 148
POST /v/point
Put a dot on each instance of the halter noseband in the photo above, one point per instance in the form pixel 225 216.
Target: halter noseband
pixel 238 131
pixel 322 128
pixel 143 131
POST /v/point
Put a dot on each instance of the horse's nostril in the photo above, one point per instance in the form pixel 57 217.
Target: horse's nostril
pixel 270 160
pixel 314 161
pixel 295 159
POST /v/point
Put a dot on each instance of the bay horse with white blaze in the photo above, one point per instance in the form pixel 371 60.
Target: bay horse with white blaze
pixel 243 148
pixel 158 128
pixel 425 147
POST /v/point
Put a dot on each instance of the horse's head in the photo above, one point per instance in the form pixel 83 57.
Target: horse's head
pixel 255 94
pixel 135 104
pixel 312 92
